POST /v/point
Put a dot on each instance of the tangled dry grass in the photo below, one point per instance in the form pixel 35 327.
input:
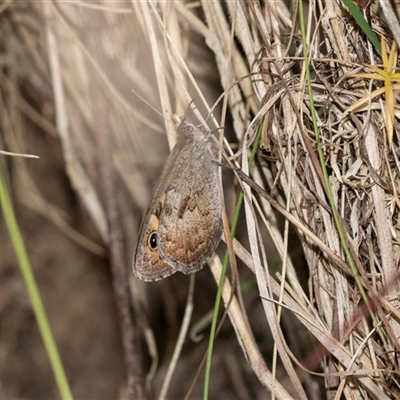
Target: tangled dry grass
pixel 327 161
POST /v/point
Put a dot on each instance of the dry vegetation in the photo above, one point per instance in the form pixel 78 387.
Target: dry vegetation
pixel 317 241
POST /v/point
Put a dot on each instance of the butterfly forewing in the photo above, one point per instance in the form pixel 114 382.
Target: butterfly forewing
pixel 190 222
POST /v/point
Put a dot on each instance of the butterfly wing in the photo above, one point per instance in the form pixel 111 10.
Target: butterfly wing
pixel 182 226
pixel 190 224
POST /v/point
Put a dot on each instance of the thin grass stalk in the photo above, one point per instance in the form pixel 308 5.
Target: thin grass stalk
pixel 34 293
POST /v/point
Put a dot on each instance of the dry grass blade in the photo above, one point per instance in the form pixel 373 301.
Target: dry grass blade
pixel 247 340
pixel 78 176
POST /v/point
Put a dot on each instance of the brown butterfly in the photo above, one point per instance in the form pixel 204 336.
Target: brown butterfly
pixel 182 225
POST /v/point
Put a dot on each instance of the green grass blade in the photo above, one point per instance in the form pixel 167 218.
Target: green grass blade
pixel 362 23
pixel 218 297
pixel 335 214
pixel 33 292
